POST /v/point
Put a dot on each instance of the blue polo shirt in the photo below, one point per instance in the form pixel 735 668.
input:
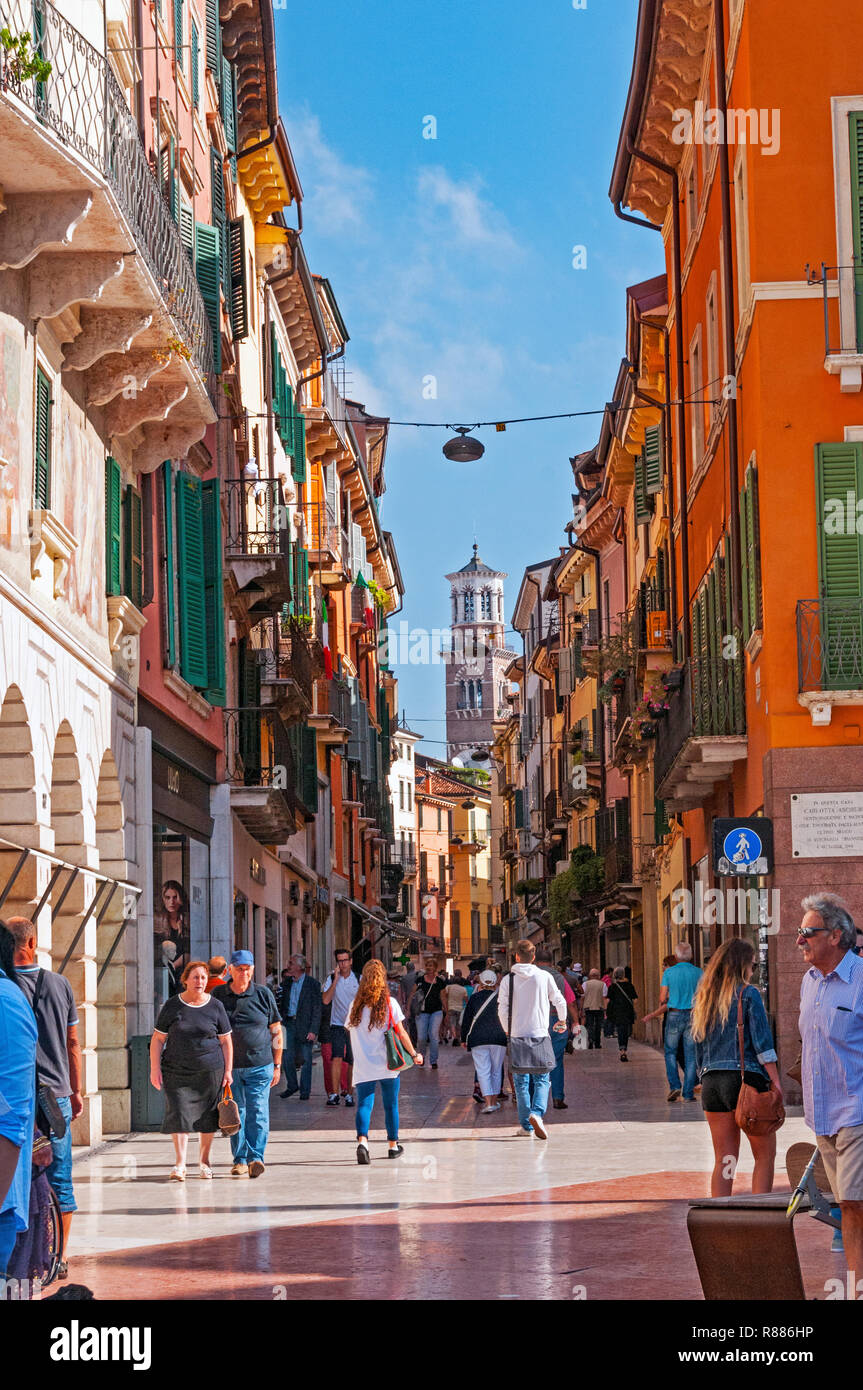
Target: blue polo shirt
pixel 681 981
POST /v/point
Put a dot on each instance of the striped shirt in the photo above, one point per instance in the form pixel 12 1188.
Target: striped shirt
pixel 831 1026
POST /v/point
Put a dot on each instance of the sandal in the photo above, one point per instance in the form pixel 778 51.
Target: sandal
pixel 205 1170
pixel 178 1173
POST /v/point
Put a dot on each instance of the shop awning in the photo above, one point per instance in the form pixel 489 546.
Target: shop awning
pixel 106 889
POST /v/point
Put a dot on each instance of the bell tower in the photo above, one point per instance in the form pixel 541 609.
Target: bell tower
pixel 475 684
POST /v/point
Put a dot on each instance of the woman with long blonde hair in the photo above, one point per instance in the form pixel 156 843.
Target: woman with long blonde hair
pixel 372 1012
pixel 726 979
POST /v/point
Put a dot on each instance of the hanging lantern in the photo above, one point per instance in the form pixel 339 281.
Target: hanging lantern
pixel 463 449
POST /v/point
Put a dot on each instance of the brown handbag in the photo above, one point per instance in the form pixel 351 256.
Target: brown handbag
pixel 229 1113
pixel 757 1113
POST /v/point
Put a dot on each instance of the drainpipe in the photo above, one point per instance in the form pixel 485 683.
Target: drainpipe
pixel 666 436
pixel 671 172
pixel 728 315
pixel 597 560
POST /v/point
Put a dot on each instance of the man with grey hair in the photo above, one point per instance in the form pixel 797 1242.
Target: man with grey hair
pixel 301 1014
pixel 831 1027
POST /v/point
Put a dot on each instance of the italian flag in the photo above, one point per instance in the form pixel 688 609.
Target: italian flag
pixel 325 638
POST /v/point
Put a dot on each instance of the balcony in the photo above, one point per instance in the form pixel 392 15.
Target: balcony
pixel 331 711
pixel 257 544
pixel 556 820
pixel 261 769
pixel 653 620
pixel 702 736
pixel 829 655
pixel 289 664
pixel 86 226
pixel 327 546
pixel 326 421
pixel 624 705
pixel 405 856
pixel 509 845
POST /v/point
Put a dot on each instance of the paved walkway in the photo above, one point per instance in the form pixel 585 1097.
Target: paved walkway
pixel 469 1211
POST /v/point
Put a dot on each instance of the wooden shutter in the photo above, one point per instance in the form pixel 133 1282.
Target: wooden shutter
pixel 855 122
pixel 249 730
pixel 840 563
pixel 196 76
pixel 227 99
pixel 214 38
pixel 190 581
pixel 298 467
pixel 564 671
pixel 753 565
pixel 178 33
pixel 308 771
pixel 207 273
pixel 214 596
pixel 653 460
pixel 577 662
pixel 237 293
pixel 113 527
pixel 220 217
pixel 168 177
pixel 168 536
pixel 642 506
pixel 133 547
pixel 518 820
pixel 42 443
pixel 187 229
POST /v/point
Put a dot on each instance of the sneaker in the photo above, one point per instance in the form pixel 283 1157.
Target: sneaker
pixel 205 1171
pixel 63 1268
pixel 477 1097
pixel 396 1152
pixel 332 1100
pixel 690 1098
pixel 539 1128
pixel 240 1170
pixel 673 1095
pixel 623 1057
pixel 363 1153
pixel 178 1173
pixel 434 1066
pixel 256 1168
pixel 348 1100
pixel 525 1133
pixel 490 1109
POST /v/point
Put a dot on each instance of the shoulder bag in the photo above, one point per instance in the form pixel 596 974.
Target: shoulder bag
pixel 398 1057
pixel 49 1116
pixel 481 1010
pixel 757 1113
pixel 528 1056
pixel 229 1113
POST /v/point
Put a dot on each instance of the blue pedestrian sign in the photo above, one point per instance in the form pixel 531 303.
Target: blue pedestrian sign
pixel 743 847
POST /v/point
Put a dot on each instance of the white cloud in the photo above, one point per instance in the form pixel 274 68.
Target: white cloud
pixel 474 219
pixel 338 192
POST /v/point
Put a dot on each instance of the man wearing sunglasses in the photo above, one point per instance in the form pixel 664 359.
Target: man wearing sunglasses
pixel 831 1027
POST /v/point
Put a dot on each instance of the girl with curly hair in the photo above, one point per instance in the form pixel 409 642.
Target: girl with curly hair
pixel 374 1011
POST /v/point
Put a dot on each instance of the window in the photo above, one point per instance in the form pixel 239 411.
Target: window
pixel 691 199
pixel 485 604
pixel 439 820
pixel 696 396
pixel 124 537
pixel 469 605
pixel 479 695
pixel 750 552
pixel 192 588
pixel 42 436
pixel 401 795
pixel 713 385
pixel 839 485
pixel 741 234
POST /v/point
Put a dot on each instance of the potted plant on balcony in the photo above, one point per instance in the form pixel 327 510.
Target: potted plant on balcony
pixel 18 63
pixel 527 886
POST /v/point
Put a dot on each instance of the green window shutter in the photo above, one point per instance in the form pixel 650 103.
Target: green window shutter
pixel 298 468
pixel 855 122
pixel 187 229
pixel 168 177
pixel 178 33
pixel 286 410
pixel 214 594
pixel 217 187
pixel 249 730
pixel 745 550
pixel 207 273
pixel 214 38
pixel 196 76
pixel 839 472
pixel 40 48
pixel 642 506
pixel 519 809
pixel 237 296
pixel 754 537
pixel 42 443
pixel 190 581
pixel 309 766
pixel 228 99
pixel 113 527
pixel 170 599
pixel 653 460
pixel 133 546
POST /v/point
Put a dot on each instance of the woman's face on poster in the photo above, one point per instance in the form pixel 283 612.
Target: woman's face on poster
pixel 171 900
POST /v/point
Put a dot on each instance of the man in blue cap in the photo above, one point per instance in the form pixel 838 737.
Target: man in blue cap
pixel 257 1037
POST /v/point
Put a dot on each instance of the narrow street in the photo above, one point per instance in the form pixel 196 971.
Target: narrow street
pixel 469 1211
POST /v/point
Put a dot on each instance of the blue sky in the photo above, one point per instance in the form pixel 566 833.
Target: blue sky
pixel 452 258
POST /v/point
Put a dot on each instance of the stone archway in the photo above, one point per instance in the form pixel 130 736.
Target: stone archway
pixel 112 1057
pixel 18 805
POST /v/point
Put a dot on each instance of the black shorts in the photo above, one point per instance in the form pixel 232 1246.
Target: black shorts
pixel 720 1089
pixel 340 1041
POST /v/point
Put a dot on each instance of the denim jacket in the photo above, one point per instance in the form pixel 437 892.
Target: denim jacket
pixel 720 1052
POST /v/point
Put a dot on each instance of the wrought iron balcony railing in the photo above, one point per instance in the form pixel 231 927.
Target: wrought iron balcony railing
pixel 258 751
pixel 405 856
pixel 829 644
pixel 83 105
pixel 709 704
pixel 334 698
pixel 257 518
pixel 287 657
pixel 508 844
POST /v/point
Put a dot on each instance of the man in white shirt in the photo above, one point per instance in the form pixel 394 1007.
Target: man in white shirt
pixel 535 992
pixel 340 989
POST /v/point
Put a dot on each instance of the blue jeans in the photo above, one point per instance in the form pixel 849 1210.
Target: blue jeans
pixel 428 1032
pixel 531 1092
pixel 294 1045
pixel 8 1233
pixel 366 1100
pixel 59 1171
pixel 251 1087
pixel 676 1027
pixel 558 1042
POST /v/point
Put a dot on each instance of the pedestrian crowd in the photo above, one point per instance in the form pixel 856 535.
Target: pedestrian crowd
pixel 222 1043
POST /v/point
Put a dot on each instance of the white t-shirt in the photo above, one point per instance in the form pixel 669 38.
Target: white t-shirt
pixel 343 997
pixel 369 1048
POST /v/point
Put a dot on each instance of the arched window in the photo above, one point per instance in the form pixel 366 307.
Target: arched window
pixel 462 695
pixel 479 694
pixel 485 604
pixel 469 606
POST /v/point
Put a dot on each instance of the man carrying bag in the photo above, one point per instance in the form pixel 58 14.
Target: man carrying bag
pixel 524 1004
